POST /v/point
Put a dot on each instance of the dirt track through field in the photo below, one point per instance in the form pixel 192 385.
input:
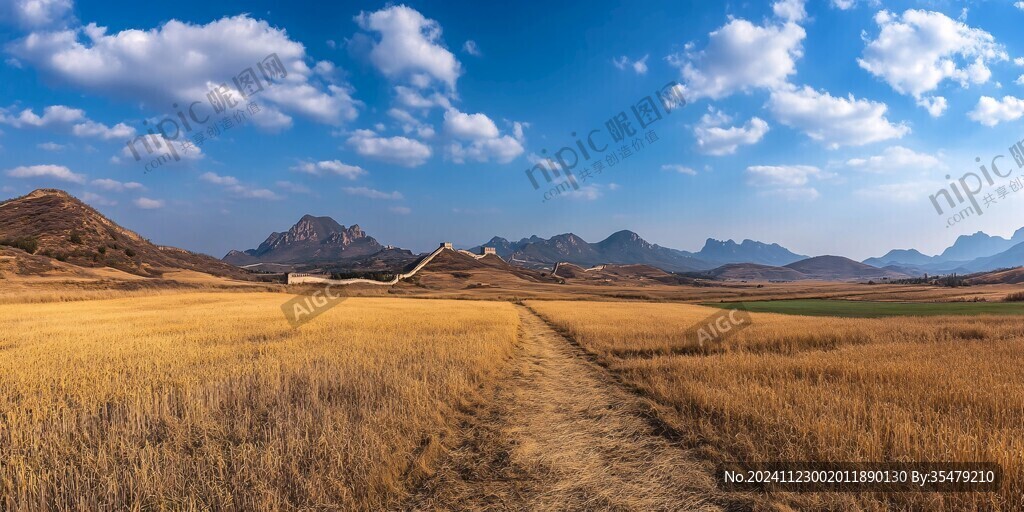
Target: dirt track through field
pixel 560 434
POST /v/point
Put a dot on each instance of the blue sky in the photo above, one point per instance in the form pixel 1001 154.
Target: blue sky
pixel 822 126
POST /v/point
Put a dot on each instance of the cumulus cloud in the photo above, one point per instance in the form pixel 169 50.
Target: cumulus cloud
pixel 638 66
pixel 990 111
pixel 39 13
pixel 916 51
pixel 397 150
pixel 409 46
pixel 741 56
pixel 478 138
pixel 897 159
pixel 57 172
pixel 117 186
pixel 935 105
pixel 834 121
pixel 373 193
pixel 236 188
pixel 715 139
pixel 790 10
pixel 64 117
pixel 330 167
pixel 181 62
pixel 786 181
pixel 148 204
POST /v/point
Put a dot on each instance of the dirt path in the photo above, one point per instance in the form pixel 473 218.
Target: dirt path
pixel 562 435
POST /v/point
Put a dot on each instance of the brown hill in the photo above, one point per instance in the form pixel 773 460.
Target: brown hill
pixel 453 269
pixel 54 224
pixel 1002 276
pixel 838 268
pixel 755 272
pixel 617 275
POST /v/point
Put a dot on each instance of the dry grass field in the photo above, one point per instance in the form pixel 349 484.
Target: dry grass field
pixel 210 401
pixel 792 388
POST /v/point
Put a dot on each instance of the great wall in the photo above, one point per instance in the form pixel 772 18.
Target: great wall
pixel 299 278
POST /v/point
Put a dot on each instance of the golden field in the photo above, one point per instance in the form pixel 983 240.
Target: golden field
pixel 211 400
pixel 792 388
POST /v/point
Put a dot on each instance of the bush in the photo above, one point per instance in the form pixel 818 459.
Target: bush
pixel 129 252
pixel 75 238
pixel 102 249
pixel 1014 297
pixel 25 243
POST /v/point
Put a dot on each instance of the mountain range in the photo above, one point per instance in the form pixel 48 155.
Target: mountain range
pixel 978 252
pixel 627 247
pixel 53 224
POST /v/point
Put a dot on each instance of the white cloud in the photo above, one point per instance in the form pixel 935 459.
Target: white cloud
pixel 471 48
pixel 790 10
pixel 58 172
pixel 235 187
pixel 148 204
pixel 154 146
pixel 681 169
pixel 410 46
pixel 373 193
pixel 412 98
pixel 469 126
pixel 117 186
pixel 639 66
pixel 1019 5
pixel 409 123
pixel 786 176
pixel 400 210
pixel 834 121
pixel 136 65
pixel 40 13
pixel 1019 80
pixel 100 130
pixel 397 150
pixel 61 116
pixel 484 141
pixel 97 200
pixel 741 56
pixel 897 159
pixel 935 105
pixel 990 111
pixel 330 166
pixel 714 139
pixel 51 146
pixel 844 4
pixel 916 51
